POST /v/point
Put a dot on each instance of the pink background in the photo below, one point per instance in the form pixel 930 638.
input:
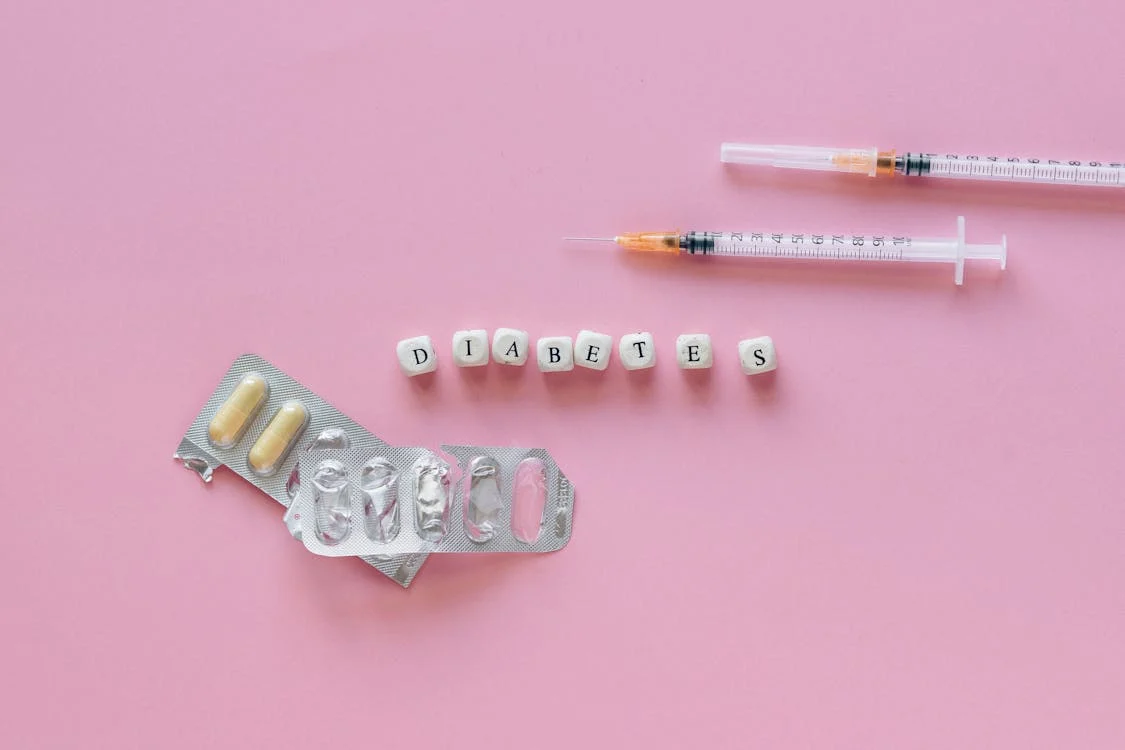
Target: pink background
pixel 911 538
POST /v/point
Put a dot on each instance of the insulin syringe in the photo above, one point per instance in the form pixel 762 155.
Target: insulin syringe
pixel 816 247
pixel 876 163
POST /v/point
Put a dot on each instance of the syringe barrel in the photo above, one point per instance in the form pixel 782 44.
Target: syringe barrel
pixel 856 160
pixel 931 251
pixel 845 247
pixel 1016 169
pixel 950 250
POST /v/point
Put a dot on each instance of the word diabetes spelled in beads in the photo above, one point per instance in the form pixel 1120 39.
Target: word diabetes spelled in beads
pixel 589 349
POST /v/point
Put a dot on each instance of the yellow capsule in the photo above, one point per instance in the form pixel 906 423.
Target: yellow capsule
pixel 238 411
pixel 275 442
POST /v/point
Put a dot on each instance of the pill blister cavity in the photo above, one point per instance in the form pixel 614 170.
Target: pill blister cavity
pixel 277 440
pixel 332 438
pixel 235 415
pixel 483 504
pixel 431 498
pixel 529 499
pixel 332 502
pixel 378 484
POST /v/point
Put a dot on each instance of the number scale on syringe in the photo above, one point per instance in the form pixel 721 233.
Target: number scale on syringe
pixel 799 246
pixel 1014 169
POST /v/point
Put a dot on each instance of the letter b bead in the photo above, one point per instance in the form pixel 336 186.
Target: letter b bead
pixel 555 354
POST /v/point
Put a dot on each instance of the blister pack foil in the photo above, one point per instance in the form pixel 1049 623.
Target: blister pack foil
pixel 258 422
pixel 374 499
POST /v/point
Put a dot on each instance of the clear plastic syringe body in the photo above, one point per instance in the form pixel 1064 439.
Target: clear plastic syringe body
pixel 820 247
pixel 1013 169
pixel 877 163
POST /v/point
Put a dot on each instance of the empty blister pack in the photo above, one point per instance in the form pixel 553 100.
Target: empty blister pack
pixel 258 422
pixel 373 499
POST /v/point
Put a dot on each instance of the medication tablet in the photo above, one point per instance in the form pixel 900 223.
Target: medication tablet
pixel 416 355
pixel 693 351
pixel 509 346
pixel 592 350
pixel 637 351
pixel 555 354
pixel 231 420
pixel 275 442
pixel 470 348
pixel 757 355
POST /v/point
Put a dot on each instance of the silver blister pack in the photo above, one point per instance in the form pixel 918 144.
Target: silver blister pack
pixel 374 499
pixel 257 423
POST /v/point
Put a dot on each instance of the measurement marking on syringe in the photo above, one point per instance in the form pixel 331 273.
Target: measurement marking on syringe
pixel 792 251
pixel 1031 170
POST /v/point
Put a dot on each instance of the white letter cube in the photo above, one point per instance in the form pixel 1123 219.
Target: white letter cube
pixel 592 350
pixel 416 356
pixel 509 346
pixel 470 348
pixel 637 351
pixel 757 355
pixel 555 353
pixel 693 351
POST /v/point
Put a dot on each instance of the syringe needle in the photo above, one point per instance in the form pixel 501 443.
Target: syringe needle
pixel 590 239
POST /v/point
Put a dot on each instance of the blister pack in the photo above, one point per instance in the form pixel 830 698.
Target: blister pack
pixel 258 422
pixel 371 499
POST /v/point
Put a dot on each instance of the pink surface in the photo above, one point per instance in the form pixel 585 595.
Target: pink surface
pixel 912 538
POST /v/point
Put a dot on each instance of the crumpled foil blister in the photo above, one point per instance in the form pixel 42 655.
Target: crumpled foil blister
pixel 372 499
